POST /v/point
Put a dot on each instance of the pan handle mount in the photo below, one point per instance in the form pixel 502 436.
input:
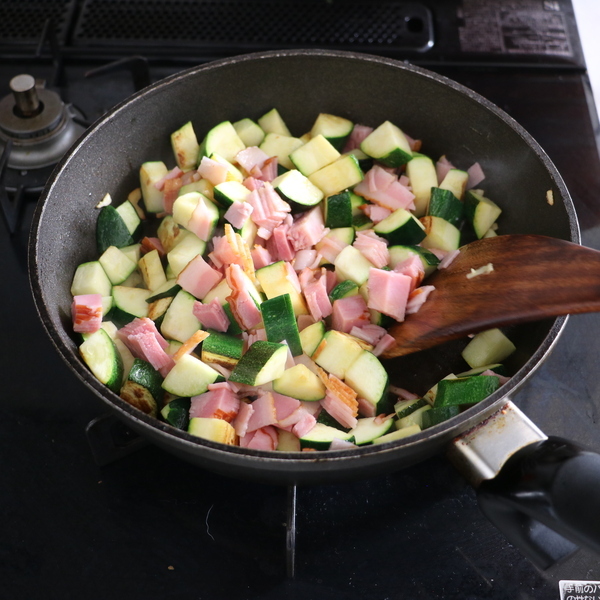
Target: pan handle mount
pixel 543 495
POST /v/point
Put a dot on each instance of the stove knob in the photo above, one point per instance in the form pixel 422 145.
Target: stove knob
pixel 27 102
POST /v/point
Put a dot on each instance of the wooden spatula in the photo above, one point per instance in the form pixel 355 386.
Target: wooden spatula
pixel 533 277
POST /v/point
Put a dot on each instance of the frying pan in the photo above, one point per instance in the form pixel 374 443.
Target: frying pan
pixel 449 119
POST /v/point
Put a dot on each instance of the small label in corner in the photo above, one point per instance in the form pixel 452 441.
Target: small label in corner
pixel 579 590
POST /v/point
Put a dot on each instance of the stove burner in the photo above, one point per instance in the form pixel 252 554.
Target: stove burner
pixel 41 127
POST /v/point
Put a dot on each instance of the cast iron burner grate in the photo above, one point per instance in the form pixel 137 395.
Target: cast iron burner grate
pixel 236 25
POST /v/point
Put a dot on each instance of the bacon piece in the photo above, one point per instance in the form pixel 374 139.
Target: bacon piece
pixel 442 166
pixel 212 170
pixel 383 188
pixel 369 333
pixel 221 403
pixel 308 229
pixel 402 393
pixel 304 321
pixel 339 410
pixel 279 245
pixel 413 268
pixel 306 259
pixel 330 247
pixel 316 295
pixel 251 157
pixel 265 438
pixel 284 407
pixel 375 212
pixel 190 344
pixel 476 175
pixel 240 423
pixel 415 145
pixel 172 174
pixel 264 412
pixel 372 247
pixel 198 277
pixel 417 298
pixel 358 134
pixel 170 193
pixel 241 302
pixel 269 209
pixel 249 338
pixel 305 423
pixel 365 408
pixel 268 171
pixel 211 315
pixel 388 292
pixel 349 312
pixel 86 312
pixel 238 213
pixel 152 243
pixel 337 444
pixel 145 342
pixel 387 341
pixel 201 221
pixel 447 258
pixel 261 257
pixel 252 183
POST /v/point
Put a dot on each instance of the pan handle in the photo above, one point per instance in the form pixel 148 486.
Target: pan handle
pixel 544 497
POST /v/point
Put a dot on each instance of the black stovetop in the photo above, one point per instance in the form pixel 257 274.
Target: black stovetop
pixel 151 526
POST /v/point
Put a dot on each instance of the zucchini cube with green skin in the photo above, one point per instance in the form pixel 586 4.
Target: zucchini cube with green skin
pixel 465 390
pixel 440 234
pixel 143 388
pixel 262 363
pixel 455 181
pixel 189 377
pixel 280 322
pixel 111 230
pixel 487 347
pixel 185 147
pixel 398 434
pixel 350 264
pixel 344 289
pixel 422 174
pixel 295 188
pixel 437 415
pixel 446 205
pixel 344 173
pixel 314 155
pixel 250 132
pixel 301 383
pixel 400 253
pixel 274 281
pixel 481 212
pixel 177 413
pixel 338 210
pixel 129 303
pixel 223 140
pixel 179 322
pixel 150 173
pixel 321 436
pixel 103 359
pixel 388 145
pixel 281 146
pixel 311 336
pixel 369 379
pixel 336 130
pixel 189 246
pixel 368 429
pixel 228 192
pixel 401 227
pixel 215 430
pixel 336 352
pixel 152 271
pixel 91 278
pixel 272 122
pixel 222 349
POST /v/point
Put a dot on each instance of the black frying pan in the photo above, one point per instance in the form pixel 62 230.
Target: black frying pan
pixel 449 118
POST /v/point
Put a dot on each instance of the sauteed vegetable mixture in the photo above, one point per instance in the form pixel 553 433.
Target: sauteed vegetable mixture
pixel 243 292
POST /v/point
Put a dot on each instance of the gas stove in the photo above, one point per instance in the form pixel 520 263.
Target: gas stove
pixel 91 511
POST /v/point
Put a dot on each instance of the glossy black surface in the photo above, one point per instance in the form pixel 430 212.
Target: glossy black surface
pixel 150 526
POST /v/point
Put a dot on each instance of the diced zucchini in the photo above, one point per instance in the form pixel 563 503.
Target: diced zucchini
pixel 188 248
pixel 215 430
pixel 344 235
pixel 223 140
pixel 487 347
pixel 311 336
pixel 481 212
pixel 337 176
pixel 204 186
pixel 403 408
pixel 280 322
pixel 398 434
pixel 222 349
pixel 295 188
pixel 150 173
pixel 103 359
pixel 189 377
pixel 274 281
pixel 446 205
pixel 185 206
pixel 221 291
pixel 301 383
pixel 343 290
pixel 228 192
pixel 287 441
pixel 336 352
pixel 281 146
pixel 314 155
pixel 338 210
pixel 352 265
pixel 438 414
pixel 368 429
pixel 250 132
pixel 168 289
pixel 388 145
pixel 465 390
pixel 152 271
pixel 129 303
pixel 401 227
pixel 336 130
pixel 422 174
pixel 143 388
pixel 177 413
pixel 158 309
pixel 179 322
pixel 399 254
pixel 456 182
pixel 185 147
pixel 111 230
pixel 90 278
pixel 262 363
pixel 272 122
pixel 414 418
pixel 321 436
pixel 497 368
pixel 440 234
pixel 169 233
pixel 233 173
pixel 369 379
